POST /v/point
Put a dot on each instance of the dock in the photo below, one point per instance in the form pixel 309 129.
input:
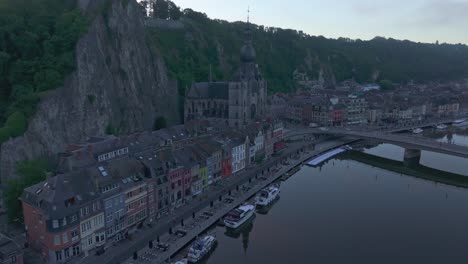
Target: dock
pixel 198 225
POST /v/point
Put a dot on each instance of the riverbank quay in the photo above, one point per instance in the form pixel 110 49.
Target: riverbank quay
pixel 125 250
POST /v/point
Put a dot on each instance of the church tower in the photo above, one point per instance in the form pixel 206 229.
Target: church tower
pixel 248 91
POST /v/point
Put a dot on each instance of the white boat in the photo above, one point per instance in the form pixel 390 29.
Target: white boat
pixel 267 195
pixel 239 216
pixel 441 127
pixel 182 261
pixel 460 123
pixel 200 248
pixel 417 131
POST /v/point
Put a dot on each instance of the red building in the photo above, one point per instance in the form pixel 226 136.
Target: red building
pixel 226 162
pixel 135 202
pixel 337 115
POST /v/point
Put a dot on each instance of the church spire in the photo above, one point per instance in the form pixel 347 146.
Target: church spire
pixel 248 54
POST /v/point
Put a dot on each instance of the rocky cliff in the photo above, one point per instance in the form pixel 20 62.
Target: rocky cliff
pixel 119 85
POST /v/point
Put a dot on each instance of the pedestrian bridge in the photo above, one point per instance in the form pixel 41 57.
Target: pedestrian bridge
pixel 412 143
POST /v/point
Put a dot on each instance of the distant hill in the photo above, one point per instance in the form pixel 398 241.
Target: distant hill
pixel 189 51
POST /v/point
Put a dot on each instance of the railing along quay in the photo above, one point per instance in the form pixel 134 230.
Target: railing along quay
pixel 262 182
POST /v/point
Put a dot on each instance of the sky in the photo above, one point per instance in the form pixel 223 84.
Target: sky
pixel 417 20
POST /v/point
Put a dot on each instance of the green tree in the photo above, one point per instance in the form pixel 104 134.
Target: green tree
pixel 161 9
pixel 174 11
pixel 29 173
pixel 37 42
pixel 386 85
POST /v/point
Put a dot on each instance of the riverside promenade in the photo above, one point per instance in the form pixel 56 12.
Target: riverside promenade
pixel 241 186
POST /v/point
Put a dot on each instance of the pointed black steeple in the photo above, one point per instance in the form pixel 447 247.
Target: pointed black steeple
pixel 248 53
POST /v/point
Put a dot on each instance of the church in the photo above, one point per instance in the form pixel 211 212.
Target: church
pixel 238 102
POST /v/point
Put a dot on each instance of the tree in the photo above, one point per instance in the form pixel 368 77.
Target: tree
pixel 161 9
pixel 174 11
pixel 37 45
pixel 30 172
pixel 386 85
pixel 159 123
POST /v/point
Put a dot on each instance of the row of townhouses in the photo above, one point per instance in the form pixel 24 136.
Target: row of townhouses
pixel 336 108
pixel 109 187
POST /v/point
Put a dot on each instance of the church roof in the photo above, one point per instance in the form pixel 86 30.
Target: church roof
pixel 209 90
pixel 248 53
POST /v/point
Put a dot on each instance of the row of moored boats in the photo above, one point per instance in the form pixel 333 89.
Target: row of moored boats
pixel 234 220
pixel 457 123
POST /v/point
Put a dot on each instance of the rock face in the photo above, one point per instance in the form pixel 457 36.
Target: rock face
pixel 119 85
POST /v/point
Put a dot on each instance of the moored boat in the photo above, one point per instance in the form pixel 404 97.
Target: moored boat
pixel 460 123
pixel 441 127
pixel 417 131
pixel 239 216
pixel 267 196
pixel 201 248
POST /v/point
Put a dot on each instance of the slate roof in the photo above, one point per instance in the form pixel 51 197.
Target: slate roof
pixel 209 90
pixel 79 187
pixel 8 247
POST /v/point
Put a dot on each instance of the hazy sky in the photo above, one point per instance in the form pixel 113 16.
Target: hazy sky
pixel 418 20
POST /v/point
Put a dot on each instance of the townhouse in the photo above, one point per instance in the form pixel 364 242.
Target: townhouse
pixel 109 187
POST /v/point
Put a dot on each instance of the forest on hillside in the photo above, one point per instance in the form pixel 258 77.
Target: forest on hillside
pixel 37 51
pixel 202 42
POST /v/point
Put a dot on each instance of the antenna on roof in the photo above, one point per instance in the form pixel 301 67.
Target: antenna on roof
pixel 248 14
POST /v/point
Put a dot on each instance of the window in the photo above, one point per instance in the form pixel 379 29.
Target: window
pixel 110 231
pixel 13 258
pixel 65 238
pixel 73 219
pixel 55 224
pixel 109 217
pixel 58 255
pixel 57 240
pixel 64 221
pixel 67 253
pixel 131 220
pixel 108 204
pixel 97 239
pixel 74 234
pixel 151 198
pixel 76 250
pixel 90 241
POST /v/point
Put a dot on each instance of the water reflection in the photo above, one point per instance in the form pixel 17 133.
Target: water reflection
pixel 349 212
pixel 265 209
pixel 243 231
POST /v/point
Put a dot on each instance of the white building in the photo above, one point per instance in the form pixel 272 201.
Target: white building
pixel 92 232
pixel 238 157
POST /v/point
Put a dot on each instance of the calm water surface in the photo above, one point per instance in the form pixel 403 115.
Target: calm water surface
pixel 348 212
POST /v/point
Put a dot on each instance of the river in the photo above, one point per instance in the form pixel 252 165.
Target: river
pixel 349 212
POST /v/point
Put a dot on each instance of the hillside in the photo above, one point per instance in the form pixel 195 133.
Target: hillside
pixel 114 83
pixel 202 41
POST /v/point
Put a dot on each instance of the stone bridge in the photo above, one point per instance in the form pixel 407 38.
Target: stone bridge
pixel 412 143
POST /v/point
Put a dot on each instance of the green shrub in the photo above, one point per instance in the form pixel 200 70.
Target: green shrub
pixel 91 98
pixel 14 126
